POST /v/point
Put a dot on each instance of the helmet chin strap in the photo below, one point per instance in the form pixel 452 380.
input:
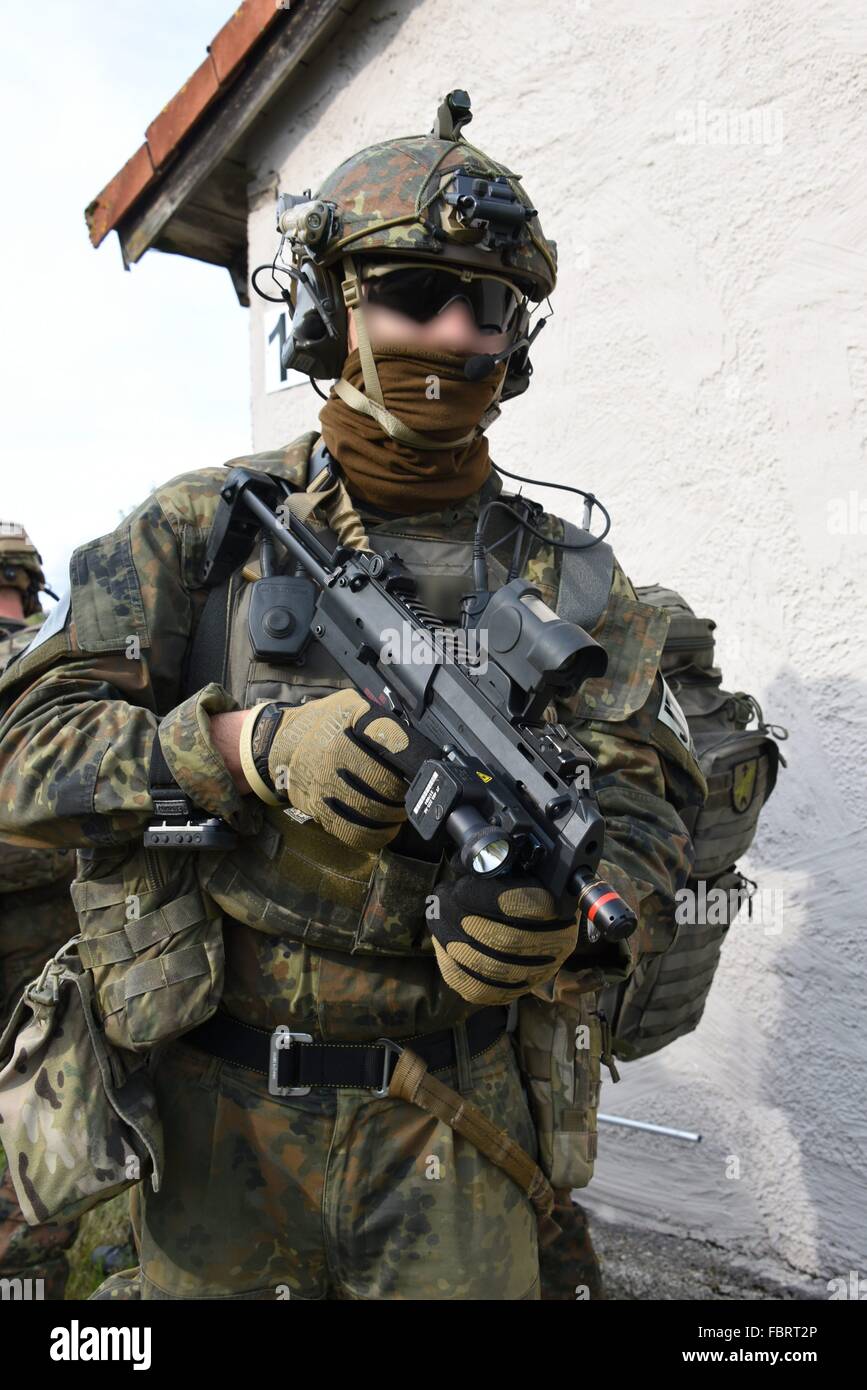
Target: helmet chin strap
pixel 371 401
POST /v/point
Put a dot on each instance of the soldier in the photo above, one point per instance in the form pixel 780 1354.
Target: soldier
pixel 36 916
pixel 331 924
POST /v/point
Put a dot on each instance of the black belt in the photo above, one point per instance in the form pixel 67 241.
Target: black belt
pixel 294 1063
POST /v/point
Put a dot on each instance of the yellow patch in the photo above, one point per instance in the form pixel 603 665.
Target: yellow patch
pixel 744 784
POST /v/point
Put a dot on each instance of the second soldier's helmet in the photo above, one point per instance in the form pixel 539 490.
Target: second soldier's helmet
pixel 421 200
pixel 21 565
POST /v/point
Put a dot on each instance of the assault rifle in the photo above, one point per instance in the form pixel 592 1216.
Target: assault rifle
pixel 512 791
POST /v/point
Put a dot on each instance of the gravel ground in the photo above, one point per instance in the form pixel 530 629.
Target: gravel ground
pixel 640 1264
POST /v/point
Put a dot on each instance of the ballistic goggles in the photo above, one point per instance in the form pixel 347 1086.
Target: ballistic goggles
pixel 420 292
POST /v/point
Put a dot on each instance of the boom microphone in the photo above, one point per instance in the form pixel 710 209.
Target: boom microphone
pixel 477 368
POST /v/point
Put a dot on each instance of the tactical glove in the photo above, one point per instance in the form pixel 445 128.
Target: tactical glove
pixel 336 759
pixel 496 937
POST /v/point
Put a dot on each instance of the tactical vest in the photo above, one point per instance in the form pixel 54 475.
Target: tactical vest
pixel 168 935
pixel 289 881
pixel 292 881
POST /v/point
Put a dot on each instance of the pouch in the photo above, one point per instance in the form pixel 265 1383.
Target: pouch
pixel 298 881
pixel 740 768
pixel 153 940
pixel 560 1043
pixel 78 1118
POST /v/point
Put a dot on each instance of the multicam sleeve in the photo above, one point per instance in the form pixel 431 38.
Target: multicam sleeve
pixel 79 713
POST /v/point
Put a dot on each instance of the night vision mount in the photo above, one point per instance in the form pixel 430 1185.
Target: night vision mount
pixel 487 205
pixel 452 114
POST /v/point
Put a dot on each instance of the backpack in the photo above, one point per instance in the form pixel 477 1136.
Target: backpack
pixel 664 998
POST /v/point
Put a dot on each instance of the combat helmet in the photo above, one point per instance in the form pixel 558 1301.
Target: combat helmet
pixel 430 200
pixel 21 566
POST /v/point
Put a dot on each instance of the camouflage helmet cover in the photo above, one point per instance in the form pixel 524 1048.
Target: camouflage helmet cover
pixel 388 199
pixel 20 563
pixel 416 198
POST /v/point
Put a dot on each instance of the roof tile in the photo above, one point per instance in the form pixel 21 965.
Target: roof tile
pixel 179 114
pixel 227 50
pixel 239 33
pixel 110 205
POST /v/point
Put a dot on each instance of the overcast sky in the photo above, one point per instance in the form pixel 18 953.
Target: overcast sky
pixel 112 381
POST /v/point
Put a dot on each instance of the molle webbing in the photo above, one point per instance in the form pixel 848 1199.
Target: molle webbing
pixel 172 968
pixel 138 935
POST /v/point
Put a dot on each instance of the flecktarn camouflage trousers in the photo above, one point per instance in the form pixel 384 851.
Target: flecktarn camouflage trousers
pixel 569 1265
pixel 334 1195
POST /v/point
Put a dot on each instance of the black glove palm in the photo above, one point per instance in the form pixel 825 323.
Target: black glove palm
pixel 496 937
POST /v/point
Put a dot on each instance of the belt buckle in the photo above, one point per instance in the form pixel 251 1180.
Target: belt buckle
pixel 281 1039
pixel 390 1046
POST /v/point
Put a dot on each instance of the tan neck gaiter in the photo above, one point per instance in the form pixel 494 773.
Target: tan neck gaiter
pixel 396 476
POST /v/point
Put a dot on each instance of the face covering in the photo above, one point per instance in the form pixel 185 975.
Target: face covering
pixel 428 392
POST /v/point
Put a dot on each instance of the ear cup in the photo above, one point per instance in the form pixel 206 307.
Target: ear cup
pixel 309 330
pixel 316 305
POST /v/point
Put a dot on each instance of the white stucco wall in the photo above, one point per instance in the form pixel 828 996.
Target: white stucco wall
pixel 700 166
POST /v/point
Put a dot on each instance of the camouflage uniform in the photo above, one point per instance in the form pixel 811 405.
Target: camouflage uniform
pixel 36 916
pixel 569 1267
pixel 338 1193
pixel 122 1287
pixel 327 1195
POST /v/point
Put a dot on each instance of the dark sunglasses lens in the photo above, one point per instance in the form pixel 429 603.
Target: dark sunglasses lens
pixel 496 306
pixel 416 293
pixel 422 294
